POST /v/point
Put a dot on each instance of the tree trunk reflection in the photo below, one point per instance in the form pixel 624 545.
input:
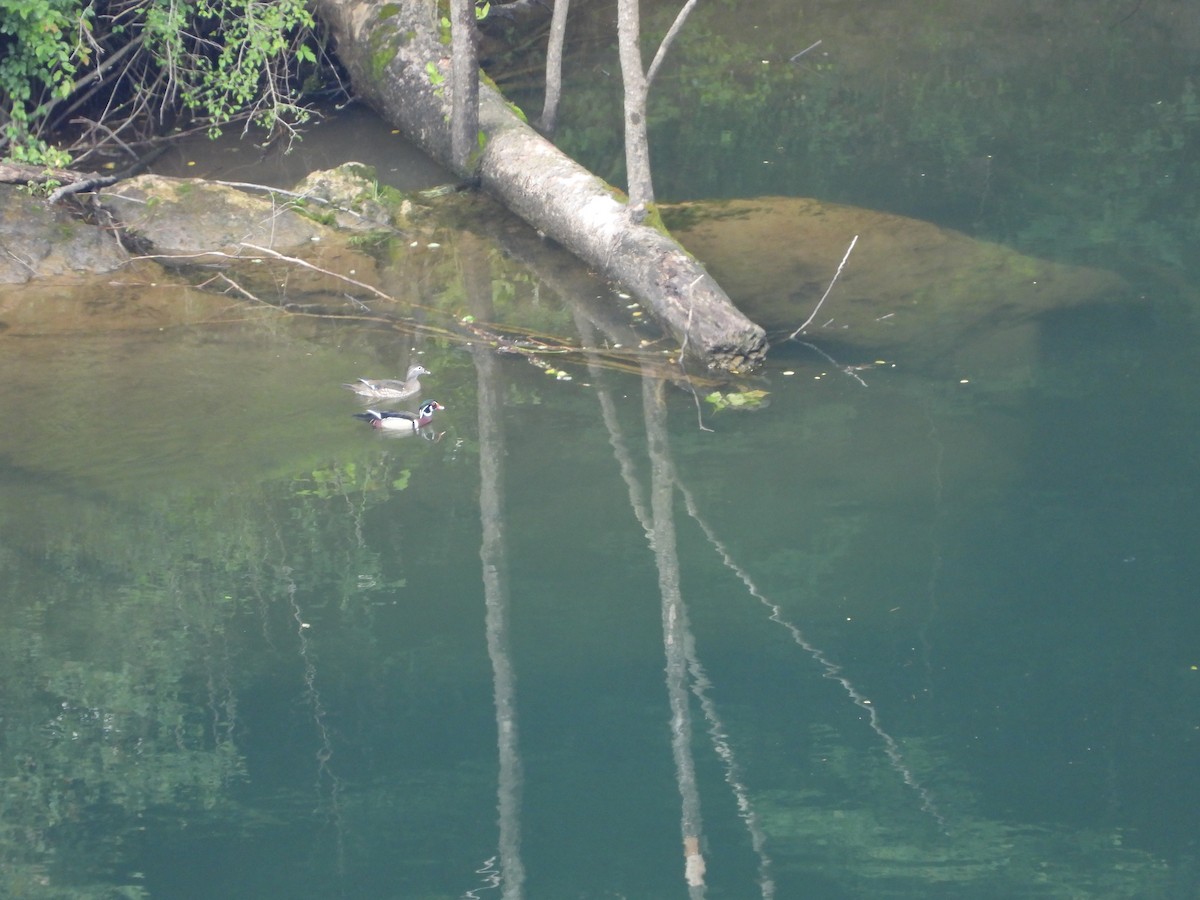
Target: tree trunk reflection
pixel 493 554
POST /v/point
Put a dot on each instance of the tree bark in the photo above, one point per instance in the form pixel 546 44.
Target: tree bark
pixel 464 117
pixel 548 121
pixel 633 78
pixel 398 65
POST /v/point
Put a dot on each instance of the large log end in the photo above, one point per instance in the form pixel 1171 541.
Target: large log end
pixel 690 303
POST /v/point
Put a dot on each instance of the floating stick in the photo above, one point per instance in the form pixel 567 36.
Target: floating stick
pixel 813 46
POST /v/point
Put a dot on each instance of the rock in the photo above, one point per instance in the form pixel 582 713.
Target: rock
pixel 184 217
pixel 191 222
pixel 909 287
pixel 40 240
pixel 352 195
pixel 777 255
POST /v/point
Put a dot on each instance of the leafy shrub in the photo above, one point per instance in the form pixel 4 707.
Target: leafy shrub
pixel 136 65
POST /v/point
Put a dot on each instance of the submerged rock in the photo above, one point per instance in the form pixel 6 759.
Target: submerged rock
pixel 908 284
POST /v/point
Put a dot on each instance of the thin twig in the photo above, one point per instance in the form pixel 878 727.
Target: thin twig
pixel 841 265
pixel 237 287
pixel 848 370
pixel 687 334
pixel 811 46
pixel 307 265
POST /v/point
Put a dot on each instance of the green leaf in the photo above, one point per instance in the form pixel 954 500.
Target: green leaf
pixel 737 399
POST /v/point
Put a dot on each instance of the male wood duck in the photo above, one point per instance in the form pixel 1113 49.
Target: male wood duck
pixel 401 421
pixel 390 388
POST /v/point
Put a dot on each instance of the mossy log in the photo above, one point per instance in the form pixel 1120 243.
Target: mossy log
pixel 399 64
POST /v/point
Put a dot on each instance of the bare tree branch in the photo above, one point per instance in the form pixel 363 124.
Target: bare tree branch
pixel 669 39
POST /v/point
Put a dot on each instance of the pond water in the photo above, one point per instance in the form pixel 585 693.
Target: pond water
pixel 923 625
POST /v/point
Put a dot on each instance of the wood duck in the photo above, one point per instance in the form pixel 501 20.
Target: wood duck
pixel 390 388
pixel 401 421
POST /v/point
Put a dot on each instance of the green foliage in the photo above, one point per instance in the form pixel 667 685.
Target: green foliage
pixel 42 189
pixel 380 59
pixel 122 672
pixel 221 60
pixel 253 40
pixel 351 478
pixel 372 241
pixel 41 48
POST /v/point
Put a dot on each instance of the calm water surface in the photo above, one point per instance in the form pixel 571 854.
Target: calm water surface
pixel 915 631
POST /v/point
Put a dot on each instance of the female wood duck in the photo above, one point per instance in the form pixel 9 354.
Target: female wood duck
pixel 390 388
pixel 401 421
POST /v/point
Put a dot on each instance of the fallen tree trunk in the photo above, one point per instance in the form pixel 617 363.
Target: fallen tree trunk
pixel 398 64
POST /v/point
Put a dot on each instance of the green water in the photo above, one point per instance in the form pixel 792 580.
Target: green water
pixel 909 632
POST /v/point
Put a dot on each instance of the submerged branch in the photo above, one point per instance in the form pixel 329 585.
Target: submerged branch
pixel 530 343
